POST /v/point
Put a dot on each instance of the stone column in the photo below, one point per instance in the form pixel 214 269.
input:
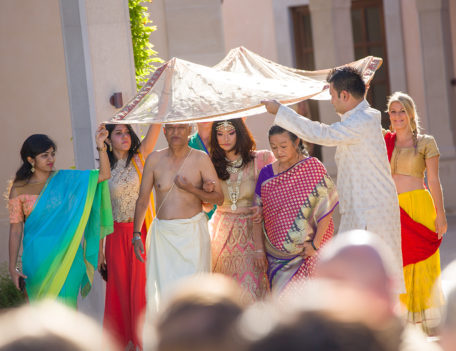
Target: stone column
pixel 437 69
pixel 395 45
pixel 80 82
pixel 333 46
pixel 99 61
pixel 194 30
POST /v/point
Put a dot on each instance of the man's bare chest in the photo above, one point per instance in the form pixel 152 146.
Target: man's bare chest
pixel 165 176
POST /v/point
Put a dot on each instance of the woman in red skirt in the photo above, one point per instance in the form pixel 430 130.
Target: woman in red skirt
pixel 124 274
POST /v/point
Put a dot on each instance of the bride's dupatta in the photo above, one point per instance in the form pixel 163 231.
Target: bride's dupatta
pixel 62 235
pixel 293 203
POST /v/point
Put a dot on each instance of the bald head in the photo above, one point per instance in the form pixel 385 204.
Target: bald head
pixel 359 265
pixel 354 266
pixel 200 314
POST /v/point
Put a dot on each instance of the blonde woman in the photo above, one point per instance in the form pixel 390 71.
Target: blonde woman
pixel 423 220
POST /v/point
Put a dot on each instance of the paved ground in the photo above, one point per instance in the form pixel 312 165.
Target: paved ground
pixel 448 246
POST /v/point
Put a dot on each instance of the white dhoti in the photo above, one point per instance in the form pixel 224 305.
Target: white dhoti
pixel 178 248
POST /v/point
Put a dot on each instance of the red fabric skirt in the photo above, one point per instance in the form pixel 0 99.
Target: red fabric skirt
pixel 418 241
pixel 125 300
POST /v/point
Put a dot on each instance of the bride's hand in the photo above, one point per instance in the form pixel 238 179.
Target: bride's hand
pixel 260 261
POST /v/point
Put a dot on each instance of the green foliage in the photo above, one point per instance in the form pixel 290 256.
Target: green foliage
pixel 9 295
pixel 142 48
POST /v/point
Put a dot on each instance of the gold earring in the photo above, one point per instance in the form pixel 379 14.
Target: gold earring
pixel 110 147
pixel 33 168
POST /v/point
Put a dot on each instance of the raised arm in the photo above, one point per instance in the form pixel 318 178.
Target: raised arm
pixel 142 203
pixel 432 168
pixel 105 167
pixel 150 140
pixel 339 133
pixel 346 132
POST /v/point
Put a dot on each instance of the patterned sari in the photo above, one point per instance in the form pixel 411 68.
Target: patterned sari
pixel 72 208
pixel 294 202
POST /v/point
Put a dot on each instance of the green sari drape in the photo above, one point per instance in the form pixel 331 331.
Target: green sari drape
pixel 62 235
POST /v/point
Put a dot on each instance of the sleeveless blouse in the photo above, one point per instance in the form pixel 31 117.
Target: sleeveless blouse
pixel 412 162
pixel 124 187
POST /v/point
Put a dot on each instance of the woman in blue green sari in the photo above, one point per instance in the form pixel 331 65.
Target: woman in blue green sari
pixel 62 215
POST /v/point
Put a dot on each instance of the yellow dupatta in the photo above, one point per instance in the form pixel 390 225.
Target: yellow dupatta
pixel 138 162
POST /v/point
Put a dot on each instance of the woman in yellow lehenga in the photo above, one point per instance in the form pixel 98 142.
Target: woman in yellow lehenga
pixel 423 219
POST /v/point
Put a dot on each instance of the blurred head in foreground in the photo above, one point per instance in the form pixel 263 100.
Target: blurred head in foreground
pixel 355 266
pixel 199 315
pixel 349 297
pixel 50 326
pixel 269 328
pixel 448 325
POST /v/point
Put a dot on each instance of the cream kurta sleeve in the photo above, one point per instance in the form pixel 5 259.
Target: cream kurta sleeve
pixel 347 132
pixel 367 194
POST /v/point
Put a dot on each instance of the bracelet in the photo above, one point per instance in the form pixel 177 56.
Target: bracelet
pixel 135 238
pixel 258 251
pixel 104 148
pixel 313 245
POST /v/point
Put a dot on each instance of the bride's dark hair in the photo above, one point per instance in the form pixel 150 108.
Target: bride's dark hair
pixel 245 145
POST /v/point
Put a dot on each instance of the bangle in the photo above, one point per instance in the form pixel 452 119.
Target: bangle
pixel 258 251
pixel 103 148
pixel 135 238
pixel 313 245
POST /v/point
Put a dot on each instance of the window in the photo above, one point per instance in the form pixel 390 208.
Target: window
pixel 369 39
pixel 304 58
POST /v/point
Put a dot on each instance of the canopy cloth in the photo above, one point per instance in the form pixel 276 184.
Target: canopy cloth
pixel 182 91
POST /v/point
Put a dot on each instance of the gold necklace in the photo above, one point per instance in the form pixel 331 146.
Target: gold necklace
pixel 233 189
pixel 233 167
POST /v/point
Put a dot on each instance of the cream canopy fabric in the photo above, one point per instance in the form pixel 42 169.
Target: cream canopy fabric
pixel 182 91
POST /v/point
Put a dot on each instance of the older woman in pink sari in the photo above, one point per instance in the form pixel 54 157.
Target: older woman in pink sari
pixel 298 198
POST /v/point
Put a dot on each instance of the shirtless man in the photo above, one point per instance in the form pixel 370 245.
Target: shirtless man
pixel 179 236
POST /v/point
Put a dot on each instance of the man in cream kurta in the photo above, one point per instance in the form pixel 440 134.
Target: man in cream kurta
pixel 367 194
